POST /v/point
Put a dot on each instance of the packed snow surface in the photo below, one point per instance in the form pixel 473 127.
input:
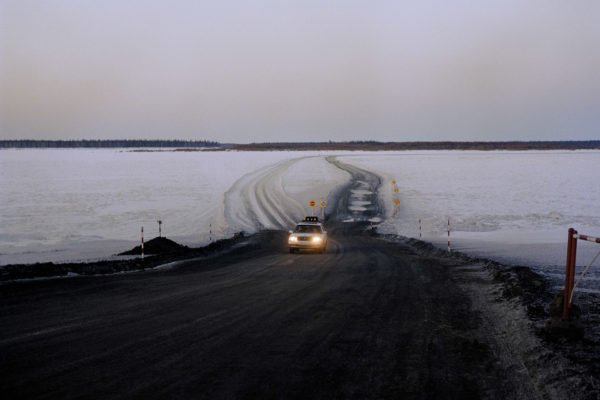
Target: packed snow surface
pixel 277 196
pixel 59 205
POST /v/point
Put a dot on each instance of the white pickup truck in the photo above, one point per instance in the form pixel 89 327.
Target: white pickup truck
pixel 308 235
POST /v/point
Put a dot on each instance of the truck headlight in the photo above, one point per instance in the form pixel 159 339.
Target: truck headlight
pixel 293 239
pixel 317 239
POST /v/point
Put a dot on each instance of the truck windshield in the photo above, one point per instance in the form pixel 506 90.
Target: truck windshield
pixel 308 229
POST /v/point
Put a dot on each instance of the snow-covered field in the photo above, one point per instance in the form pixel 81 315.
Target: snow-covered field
pixel 515 207
pixel 72 204
pixel 58 205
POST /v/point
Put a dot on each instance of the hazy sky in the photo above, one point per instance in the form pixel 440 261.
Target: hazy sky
pixel 245 71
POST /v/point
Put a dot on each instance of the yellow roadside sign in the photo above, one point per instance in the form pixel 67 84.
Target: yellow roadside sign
pixel 397 202
pixel 396 190
pixel 312 203
pixel 323 204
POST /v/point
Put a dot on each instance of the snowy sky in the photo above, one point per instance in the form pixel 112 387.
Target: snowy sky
pixel 276 70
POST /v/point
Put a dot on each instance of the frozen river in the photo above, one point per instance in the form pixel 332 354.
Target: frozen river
pixel 76 204
pixel 58 205
pixel 514 207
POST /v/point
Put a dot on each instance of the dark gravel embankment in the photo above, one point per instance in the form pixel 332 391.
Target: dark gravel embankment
pixel 158 251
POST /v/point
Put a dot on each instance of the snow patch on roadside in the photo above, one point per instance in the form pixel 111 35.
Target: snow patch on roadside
pixel 542 372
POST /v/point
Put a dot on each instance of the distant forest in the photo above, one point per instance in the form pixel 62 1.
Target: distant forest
pixel 367 145
pixel 69 144
pixel 377 146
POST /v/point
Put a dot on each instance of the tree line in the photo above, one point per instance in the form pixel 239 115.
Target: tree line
pixel 329 145
pixel 127 143
pixel 445 145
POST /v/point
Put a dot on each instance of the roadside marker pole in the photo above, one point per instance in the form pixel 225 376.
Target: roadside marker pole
pixel 420 235
pixel 323 205
pixel 449 234
pixel 210 233
pixel 142 242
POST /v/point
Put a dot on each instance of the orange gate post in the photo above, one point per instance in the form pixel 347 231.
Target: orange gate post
pixel 569 272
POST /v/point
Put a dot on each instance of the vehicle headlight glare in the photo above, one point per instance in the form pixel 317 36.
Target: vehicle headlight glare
pixel 293 239
pixel 317 239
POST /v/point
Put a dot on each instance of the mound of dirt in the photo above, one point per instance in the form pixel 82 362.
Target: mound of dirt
pixel 158 245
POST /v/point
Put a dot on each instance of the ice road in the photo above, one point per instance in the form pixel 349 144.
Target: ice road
pixel 369 319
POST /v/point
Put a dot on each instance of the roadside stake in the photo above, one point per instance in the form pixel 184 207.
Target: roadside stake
pixel 323 205
pixel 449 249
pixel 142 241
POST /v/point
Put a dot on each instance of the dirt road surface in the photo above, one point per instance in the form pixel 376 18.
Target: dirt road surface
pixel 369 319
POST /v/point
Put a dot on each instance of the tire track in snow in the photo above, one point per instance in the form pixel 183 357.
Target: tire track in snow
pixel 361 199
pixel 259 199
